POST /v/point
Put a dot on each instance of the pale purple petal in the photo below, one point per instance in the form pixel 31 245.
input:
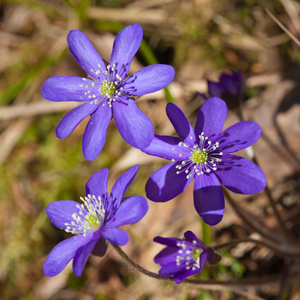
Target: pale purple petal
pixel 116 236
pixel 181 124
pixel 97 184
pixel 122 183
pixel 239 136
pixel 164 184
pixel 167 147
pixel 63 252
pixel 149 80
pixel 130 211
pixel 240 175
pixel 134 126
pixel 126 44
pixel 85 54
pixel 81 257
pixel 60 212
pixel 69 88
pixel 69 122
pixel 211 118
pixel 95 133
pixel 209 198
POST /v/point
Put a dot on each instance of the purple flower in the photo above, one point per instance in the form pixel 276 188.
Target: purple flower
pixel 93 222
pixel 184 257
pixel 230 88
pixel 109 94
pixel 204 154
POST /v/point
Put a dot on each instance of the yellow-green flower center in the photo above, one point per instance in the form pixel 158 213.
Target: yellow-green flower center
pixel 196 255
pixel 108 88
pixel 92 221
pixel 199 156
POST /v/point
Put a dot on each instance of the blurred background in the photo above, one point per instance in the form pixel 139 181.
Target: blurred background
pixel 201 39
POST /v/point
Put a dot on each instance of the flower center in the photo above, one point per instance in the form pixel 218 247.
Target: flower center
pixel 188 255
pixel 107 88
pixel 90 216
pixel 202 158
pixel 199 156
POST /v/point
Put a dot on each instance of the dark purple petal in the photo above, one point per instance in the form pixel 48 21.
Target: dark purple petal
pixel 240 175
pixel 172 242
pixel 60 212
pixel 181 124
pixel 149 80
pixel 211 118
pixel 166 256
pixel 203 259
pixel 81 257
pixel 215 89
pixel 100 247
pixel 191 236
pixel 134 126
pixel 213 257
pixel 69 88
pixel 179 277
pixel 130 211
pixel 121 185
pixel 95 133
pixel 73 118
pixel 126 44
pixel 209 198
pixel 239 136
pixel 164 184
pixel 85 54
pixel 97 184
pixel 63 252
pixel 167 147
pixel 116 236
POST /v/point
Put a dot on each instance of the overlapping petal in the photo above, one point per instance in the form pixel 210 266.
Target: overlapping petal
pixel 166 147
pixel 126 44
pixel 239 136
pixel 158 187
pixel 240 175
pixel 95 133
pixel 60 212
pixel 181 124
pixel 134 126
pixel 149 79
pixel 122 183
pixel 209 198
pixel 85 54
pixel 211 118
pixel 68 88
pixel 116 236
pixel 69 122
pixel 97 184
pixel 63 252
pixel 81 257
pixel 130 211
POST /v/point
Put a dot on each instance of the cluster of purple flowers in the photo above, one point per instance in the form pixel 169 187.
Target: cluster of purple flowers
pixel 202 154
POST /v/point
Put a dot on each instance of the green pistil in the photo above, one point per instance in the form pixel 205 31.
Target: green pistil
pixel 108 88
pixel 196 255
pixel 92 221
pixel 199 156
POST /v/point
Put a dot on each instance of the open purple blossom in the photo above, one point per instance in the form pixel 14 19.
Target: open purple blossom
pixel 93 222
pixel 229 87
pixel 110 94
pixel 204 154
pixel 184 257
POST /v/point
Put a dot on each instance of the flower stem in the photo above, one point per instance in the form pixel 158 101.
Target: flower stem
pixel 239 282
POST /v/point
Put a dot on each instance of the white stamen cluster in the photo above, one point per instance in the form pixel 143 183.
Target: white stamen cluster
pixel 188 256
pixel 202 159
pixel 89 218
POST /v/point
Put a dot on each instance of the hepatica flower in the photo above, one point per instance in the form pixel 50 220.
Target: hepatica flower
pixel 93 222
pixel 204 154
pixel 229 87
pixel 110 92
pixel 184 257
